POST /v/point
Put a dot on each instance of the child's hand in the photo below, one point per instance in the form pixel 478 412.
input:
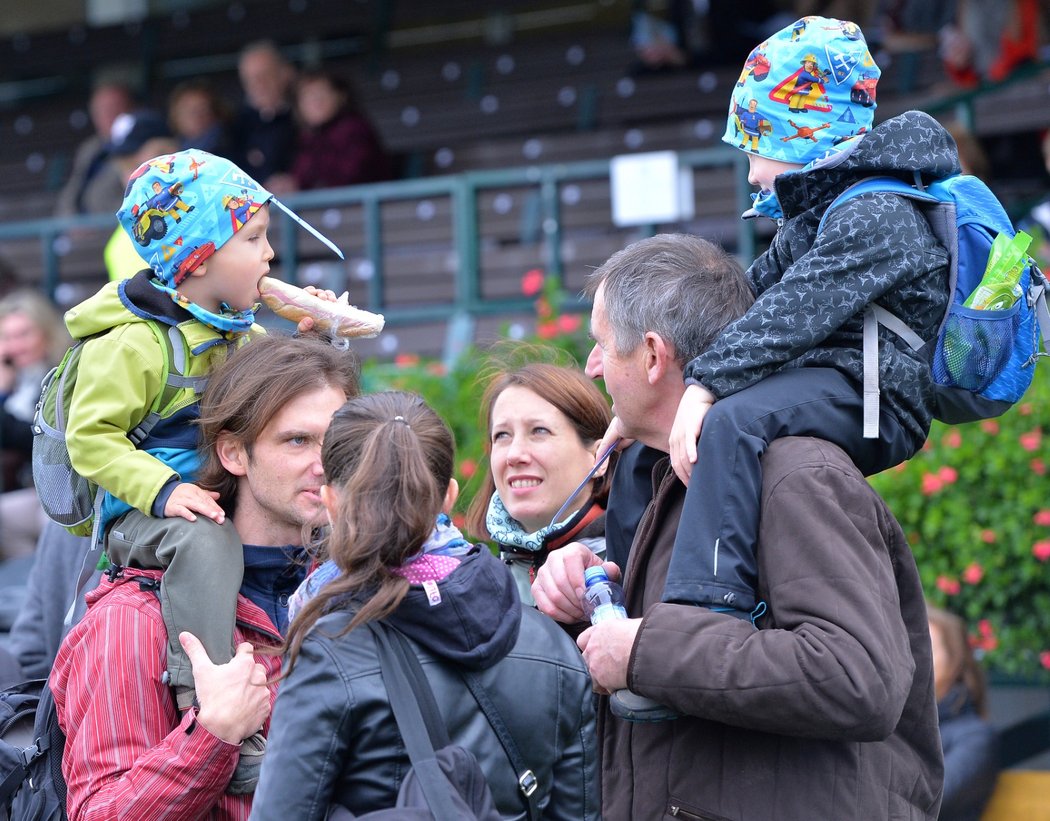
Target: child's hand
pixel 612 436
pixel 696 401
pixel 306 324
pixel 188 499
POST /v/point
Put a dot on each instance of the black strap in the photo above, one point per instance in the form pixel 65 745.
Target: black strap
pixel 527 780
pixel 410 698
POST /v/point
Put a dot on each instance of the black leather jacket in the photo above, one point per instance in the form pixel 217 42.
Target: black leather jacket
pixel 333 737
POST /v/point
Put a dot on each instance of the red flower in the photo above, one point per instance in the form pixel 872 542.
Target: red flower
pixel 458 519
pixel 990 426
pixel 1044 659
pixel 547 330
pixel 948 586
pixel 1042 518
pixel 1041 550
pixel 931 483
pixel 437 368
pixel 973 573
pixel 1038 467
pixel 1025 409
pixel 947 474
pixel 467 468
pixel 569 322
pixel 406 360
pixel 984 627
pixel 543 308
pixel 532 282
pixel 988 536
pixel 1030 441
pixel 952 439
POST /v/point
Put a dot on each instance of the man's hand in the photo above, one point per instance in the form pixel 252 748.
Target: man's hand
pixel 188 499
pixel 306 324
pixel 613 436
pixel 234 700
pixel 607 649
pixel 696 402
pixel 559 583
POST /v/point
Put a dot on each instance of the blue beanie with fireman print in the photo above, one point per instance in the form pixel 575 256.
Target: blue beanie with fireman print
pixel 804 92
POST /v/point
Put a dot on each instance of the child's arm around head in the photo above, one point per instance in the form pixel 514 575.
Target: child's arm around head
pixel 693 407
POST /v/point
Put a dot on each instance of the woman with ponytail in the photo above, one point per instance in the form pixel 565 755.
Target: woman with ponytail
pixel 388 462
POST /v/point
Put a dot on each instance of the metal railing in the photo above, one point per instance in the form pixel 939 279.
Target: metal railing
pixel 463 191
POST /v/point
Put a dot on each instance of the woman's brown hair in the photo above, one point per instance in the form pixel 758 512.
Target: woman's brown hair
pixel 388 457
pixel 572 393
pixel 962 665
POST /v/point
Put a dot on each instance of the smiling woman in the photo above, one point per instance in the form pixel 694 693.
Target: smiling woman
pixel 544 424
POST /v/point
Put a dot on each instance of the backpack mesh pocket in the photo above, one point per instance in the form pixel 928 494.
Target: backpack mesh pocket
pixel 66 496
pixel 975 347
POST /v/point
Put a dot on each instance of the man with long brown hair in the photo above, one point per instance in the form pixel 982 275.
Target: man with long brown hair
pixel 128 748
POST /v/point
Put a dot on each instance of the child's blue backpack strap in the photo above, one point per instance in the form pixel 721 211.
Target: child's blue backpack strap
pixel 983 361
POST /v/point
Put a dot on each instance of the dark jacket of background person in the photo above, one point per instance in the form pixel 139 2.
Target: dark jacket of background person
pixel 263 146
pixel 343 151
pixel 971 757
pixel 828 710
pixel 354 755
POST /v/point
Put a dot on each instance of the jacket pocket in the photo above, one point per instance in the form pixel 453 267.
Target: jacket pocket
pixel 684 812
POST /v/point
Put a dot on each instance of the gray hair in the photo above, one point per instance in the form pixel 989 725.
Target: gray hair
pixel 681 287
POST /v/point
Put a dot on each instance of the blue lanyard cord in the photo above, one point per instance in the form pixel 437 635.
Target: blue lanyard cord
pixel 583 484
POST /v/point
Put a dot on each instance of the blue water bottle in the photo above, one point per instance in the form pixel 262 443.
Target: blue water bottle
pixel 603 600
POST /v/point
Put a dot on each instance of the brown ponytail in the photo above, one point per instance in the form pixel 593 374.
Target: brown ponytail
pixel 389 458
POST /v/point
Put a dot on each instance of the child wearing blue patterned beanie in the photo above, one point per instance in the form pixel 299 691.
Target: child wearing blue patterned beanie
pixel 200 225
pixel 793 365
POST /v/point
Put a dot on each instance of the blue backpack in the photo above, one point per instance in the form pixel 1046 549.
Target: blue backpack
pixel 989 360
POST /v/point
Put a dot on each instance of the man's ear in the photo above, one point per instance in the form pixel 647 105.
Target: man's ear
pixel 232 454
pixel 658 357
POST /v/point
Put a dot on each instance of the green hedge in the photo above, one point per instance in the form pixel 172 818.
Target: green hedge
pixel 974 503
pixel 975 506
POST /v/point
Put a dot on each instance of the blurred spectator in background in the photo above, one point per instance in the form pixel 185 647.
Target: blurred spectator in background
pixel 264 130
pixel 972 157
pixel 8 278
pixel 988 40
pixel 661 42
pixel 337 145
pixel 1037 222
pixel 32 340
pixel 199 118
pixel 679 33
pixel 969 741
pixel 94 184
pixel 136 138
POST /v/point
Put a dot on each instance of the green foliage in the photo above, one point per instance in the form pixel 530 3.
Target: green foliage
pixel 975 508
